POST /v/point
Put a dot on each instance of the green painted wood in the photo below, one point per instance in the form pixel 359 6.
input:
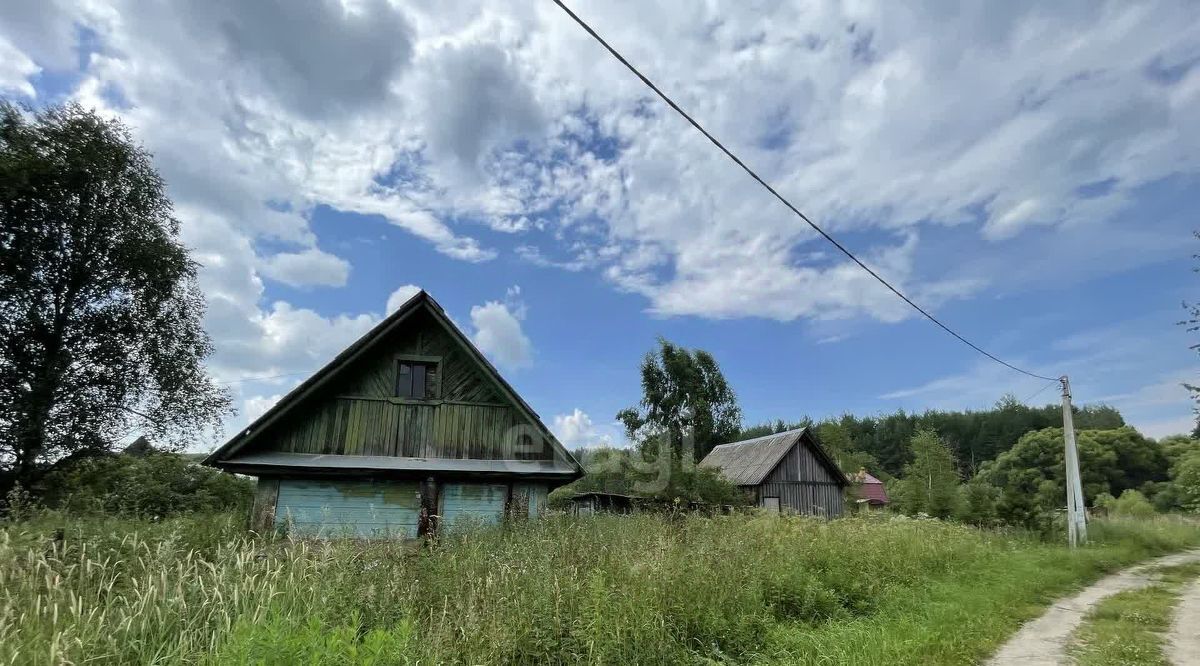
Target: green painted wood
pixel 359 414
pixel 371 509
pixel 471 504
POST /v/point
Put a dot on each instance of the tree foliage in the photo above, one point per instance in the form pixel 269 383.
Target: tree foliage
pixel 1031 475
pixel 1182 491
pixel 100 313
pixel 978 503
pixel 1133 504
pixel 663 482
pixel 931 481
pixel 881 443
pixel 682 389
pixel 155 485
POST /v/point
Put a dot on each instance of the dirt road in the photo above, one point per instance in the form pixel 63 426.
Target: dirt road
pixel 1043 642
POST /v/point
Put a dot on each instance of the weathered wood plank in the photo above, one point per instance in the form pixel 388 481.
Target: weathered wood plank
pixel 359 414
pixel 262 513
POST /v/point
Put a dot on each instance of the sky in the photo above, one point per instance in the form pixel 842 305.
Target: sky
pixel 1027 171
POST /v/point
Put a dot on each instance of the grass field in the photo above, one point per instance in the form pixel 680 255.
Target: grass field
pixel 632 589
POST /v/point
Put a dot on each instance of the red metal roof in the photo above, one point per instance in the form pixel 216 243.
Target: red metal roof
pixel 870 488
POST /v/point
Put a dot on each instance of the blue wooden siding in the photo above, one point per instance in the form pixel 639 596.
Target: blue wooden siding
pixel 473 503
pixel 348 508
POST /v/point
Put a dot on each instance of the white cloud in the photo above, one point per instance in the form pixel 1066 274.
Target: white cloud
pixel 1182 425
pixel 258 405
pixel 887 122
pixel 473 101
pixel 401 296
pixel 498 332
pixel 15 70
pixel 286 339
pixel 576 430
pixel 1041 115
pixel 311 267
pixel 319 57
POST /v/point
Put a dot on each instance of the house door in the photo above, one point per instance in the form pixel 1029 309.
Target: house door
pixel 771 504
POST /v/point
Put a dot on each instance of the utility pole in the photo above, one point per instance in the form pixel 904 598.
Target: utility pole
pixel 1076 510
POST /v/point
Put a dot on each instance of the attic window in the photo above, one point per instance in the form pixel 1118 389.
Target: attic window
pixel 416 379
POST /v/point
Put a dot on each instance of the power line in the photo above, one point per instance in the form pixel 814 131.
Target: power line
pixel 261 379
pixel 1039 391
pixel 780 197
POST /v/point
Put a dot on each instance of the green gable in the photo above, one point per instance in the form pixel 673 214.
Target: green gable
pixel 356 414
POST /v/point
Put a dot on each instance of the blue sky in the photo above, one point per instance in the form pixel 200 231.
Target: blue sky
pixel 1027 171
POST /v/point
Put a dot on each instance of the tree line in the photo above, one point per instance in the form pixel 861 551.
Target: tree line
pixel 882 444
pixel 1002 465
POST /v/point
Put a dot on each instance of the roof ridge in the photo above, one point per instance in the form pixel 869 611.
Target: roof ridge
pixel 793 431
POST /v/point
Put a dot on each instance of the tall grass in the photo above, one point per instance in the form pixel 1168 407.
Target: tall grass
pixel 619 589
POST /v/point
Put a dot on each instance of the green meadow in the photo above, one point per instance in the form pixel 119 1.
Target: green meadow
pixel 606 590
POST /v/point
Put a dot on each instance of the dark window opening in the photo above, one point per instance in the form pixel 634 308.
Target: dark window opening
pixel 414 380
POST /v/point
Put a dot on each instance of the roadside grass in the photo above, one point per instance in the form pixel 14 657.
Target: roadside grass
pixel 1128 628
pixel 610 589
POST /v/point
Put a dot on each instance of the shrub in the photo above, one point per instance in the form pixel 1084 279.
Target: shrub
pixel 978 502
pixel 154 485
pixel 1133 504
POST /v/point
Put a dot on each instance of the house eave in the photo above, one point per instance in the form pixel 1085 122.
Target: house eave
pixel 274 463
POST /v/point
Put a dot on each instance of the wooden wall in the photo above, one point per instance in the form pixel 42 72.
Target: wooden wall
pixel 360 415
pixel 462 380
pixel 803 485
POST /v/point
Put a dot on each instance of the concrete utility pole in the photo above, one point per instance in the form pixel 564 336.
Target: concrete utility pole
pixel 1076 509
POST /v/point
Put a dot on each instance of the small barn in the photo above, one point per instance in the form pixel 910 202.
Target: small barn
pixel 410 428
pixel 786 472
pixel 870 490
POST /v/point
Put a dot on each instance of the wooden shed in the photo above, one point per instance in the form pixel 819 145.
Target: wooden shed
pixel 593 502
pixel 407 429
pixel 786 472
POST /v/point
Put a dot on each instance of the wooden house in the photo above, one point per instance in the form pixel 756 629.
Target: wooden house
pixel 870 491
pixel 786 472
pixel 407 429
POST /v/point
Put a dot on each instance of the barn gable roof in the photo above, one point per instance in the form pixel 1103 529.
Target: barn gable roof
pixel 749 462
pixel 221 457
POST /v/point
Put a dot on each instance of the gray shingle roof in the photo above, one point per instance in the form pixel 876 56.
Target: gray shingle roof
pixel 748 462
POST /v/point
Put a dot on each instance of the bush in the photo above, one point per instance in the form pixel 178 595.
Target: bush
pixel 1133 504
pixel 627 473
pixel 154 485
pixel 978 502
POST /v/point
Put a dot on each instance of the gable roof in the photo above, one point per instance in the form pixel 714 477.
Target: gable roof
pixel 748 462
pixel 140 447
pixel 865 477
pixel 871 489
pixel 420 301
